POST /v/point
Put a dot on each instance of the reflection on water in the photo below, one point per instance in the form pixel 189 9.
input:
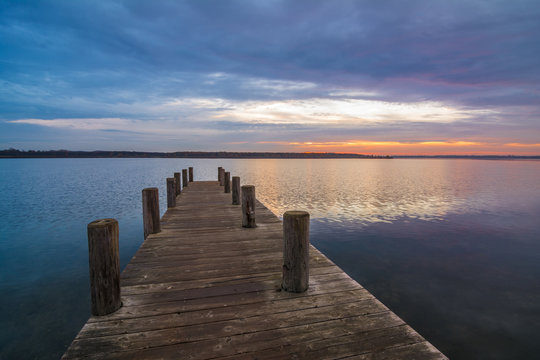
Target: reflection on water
pixel 466 284
pixel 369 191
pixel 452 246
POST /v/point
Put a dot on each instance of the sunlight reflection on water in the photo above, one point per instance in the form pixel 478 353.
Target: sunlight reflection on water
pixel 369 191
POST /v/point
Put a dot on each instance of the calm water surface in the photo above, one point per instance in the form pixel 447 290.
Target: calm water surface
pixel 452 246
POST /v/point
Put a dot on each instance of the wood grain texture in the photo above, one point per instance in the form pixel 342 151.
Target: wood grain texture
pixel 150 204
pixel 185 178
pixel 104 261
pixel 221 176
pixel 248 206
pixel 171 192
pixel 227 182
pixel 207 288
pixel 295 251
pixel 178 183
pixel 236 190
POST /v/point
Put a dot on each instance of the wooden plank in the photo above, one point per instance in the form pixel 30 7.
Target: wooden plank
pixel 177 319
pixel 372 344
pixel 205 287
pixel 218 339
pixel 224 279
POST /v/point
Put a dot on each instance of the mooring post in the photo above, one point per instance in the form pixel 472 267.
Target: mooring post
pixel 178 184
pixel 104 262
pixel 190 174
pixel 184 177
pixel 219 173
pixel 236 190
pixel 248 206
pixel 295 251
pixel 222 177
pixel 227 182
pixel 171 192
pixel 150 200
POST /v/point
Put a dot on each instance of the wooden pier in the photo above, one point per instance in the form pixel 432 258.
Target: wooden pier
pixel 207 288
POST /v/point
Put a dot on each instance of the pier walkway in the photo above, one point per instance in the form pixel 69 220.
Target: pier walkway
pixel 206 288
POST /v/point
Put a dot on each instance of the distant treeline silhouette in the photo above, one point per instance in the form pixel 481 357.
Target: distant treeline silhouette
pixel 14 153
pixel 477 157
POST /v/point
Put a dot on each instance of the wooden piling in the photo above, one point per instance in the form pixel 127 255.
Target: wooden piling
pixel 248 206
pixel 295 251
pixel 222 177
pixel 104 262
pixel 227 182
pixel 151 222
pixel 184 177
pixel 190 174
pixel 171 192
pixel 219 173
pixel 178 184
pixel 236 190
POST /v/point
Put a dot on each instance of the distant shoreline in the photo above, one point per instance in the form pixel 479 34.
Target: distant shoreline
pixel 13 153
pixel 476 157
pixel 21 154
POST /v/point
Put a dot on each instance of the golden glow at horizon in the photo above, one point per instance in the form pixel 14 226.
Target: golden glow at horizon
pixel 522 145
pixel 385 143
pixel 455 147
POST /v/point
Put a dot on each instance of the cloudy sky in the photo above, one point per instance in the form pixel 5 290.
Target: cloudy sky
pixel 377 77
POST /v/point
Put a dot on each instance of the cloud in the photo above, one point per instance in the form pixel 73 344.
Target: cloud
pixel 347 112
pixel 129 126
pixel 327 112
pixel 81 124
pixel 523 145
pixel 375 144
pixel 381 71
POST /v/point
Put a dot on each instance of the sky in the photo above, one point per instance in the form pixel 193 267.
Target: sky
pixel 372 77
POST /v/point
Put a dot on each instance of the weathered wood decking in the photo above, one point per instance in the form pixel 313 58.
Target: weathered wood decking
pixel 206 288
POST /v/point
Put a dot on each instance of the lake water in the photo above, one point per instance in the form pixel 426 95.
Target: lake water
pixel 451 246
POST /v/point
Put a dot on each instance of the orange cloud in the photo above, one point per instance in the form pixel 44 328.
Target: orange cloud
pixel 521 145
pixel 378 144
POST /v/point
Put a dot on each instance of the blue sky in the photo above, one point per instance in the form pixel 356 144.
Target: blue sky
pixel 385 77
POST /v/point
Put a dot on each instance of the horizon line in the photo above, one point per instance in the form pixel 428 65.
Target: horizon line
pixel 16 153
